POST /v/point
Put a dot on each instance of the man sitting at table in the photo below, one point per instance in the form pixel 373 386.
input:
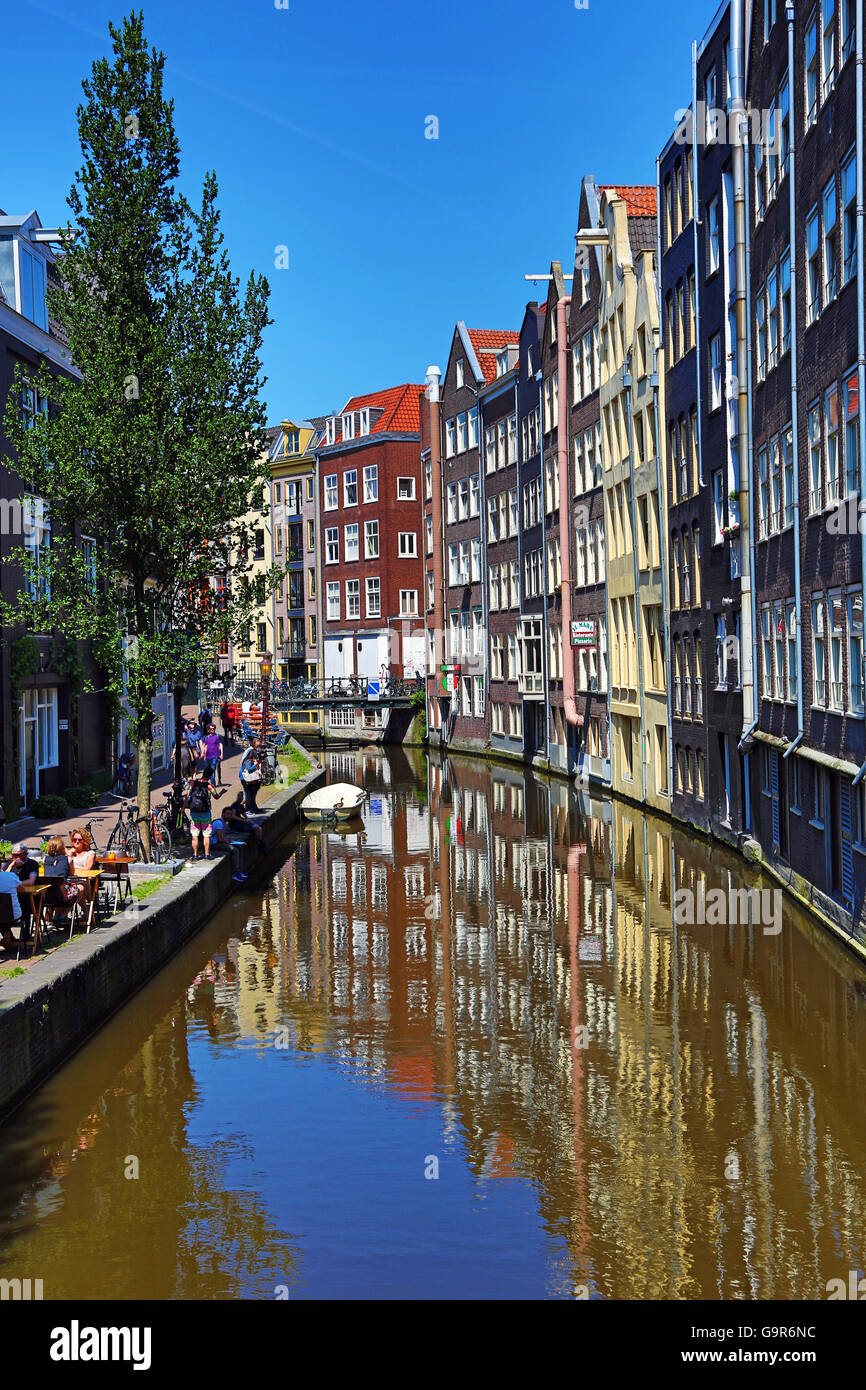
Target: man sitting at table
pixel 9 886
pixel 26 870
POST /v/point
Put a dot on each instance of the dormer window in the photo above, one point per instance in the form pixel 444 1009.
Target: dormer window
pixel 22 278
pixel 502 362
pixel 331 430
pixel 364 420
pixel 293 442
pixel 348 423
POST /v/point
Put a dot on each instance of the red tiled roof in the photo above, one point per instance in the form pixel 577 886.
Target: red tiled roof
pixel 399 406
pixel 639 198
pixel 487 342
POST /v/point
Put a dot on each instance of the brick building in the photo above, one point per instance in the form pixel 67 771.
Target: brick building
pixel 370 538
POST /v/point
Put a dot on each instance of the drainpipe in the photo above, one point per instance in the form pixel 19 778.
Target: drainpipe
pixel 663 525
pixel 861 307
pixel 747 762
pixel 568 688
pixel 518 626
pixel 795 422
pixel 746 654
pixel 638 617
pixel 434 377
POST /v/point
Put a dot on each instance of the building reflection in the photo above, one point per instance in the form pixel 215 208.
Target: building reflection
pixel 495 944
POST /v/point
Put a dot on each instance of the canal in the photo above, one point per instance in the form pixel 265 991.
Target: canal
pixel 465 1049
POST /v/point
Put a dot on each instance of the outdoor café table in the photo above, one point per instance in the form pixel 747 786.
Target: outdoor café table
pixel 36 893
pixel 90 878
pixel 120 878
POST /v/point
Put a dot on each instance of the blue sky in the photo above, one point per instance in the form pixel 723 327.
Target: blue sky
pixel 314 119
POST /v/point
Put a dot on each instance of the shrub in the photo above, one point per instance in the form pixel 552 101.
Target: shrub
pixel 5 849
pixel 101 780
pixel 81 796
pixel 48 807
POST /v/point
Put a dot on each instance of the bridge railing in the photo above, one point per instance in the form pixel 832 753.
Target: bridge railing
pixel 347 690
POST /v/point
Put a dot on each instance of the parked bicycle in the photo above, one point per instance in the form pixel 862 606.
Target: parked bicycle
pixel 125 839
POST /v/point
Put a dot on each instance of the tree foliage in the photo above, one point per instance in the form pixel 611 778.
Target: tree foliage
pixel 155 446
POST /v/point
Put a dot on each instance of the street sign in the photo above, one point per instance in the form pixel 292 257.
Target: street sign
pixel 372 690
pixel 583 632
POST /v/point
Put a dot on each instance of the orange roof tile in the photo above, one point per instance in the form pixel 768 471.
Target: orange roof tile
pixel 639 199
pixel 399 405
pixel 487 342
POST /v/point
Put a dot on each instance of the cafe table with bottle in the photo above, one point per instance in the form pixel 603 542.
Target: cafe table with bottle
pixel 55 891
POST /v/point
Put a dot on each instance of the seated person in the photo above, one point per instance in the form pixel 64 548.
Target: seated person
pixel 26 870
pixel 9 888
pixel 81 856
pixel 55 868
pixel 237 822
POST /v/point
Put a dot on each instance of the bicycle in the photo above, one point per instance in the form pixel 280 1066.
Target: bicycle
pixel 125 838
pixel 88 826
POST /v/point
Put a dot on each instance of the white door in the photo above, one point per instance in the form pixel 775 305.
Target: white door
pixel 339 655
pixel 369 660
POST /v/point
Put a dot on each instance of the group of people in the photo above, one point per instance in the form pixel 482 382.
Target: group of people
pixel 59 866
pixel 200 743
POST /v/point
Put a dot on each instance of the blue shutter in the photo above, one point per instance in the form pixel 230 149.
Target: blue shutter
pixel 847 855
pixel 774 790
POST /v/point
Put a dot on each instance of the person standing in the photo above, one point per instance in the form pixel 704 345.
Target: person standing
pixel 212 752
pixel 198 800
pixel 251 775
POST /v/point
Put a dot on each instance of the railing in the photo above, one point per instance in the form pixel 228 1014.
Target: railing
pixel 345 690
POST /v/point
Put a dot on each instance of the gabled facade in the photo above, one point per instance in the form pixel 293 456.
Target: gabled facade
pixel 295 543
pixel 586 506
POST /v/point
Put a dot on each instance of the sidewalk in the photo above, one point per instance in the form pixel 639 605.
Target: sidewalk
pixel 32 832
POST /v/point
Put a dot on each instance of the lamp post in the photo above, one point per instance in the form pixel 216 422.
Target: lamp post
pixel 266 665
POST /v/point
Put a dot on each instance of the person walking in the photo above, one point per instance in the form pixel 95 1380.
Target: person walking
pixel 212 752
pixel 251 774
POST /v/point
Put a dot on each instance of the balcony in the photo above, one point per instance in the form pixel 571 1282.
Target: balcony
pixel 293 650
pixel 530 684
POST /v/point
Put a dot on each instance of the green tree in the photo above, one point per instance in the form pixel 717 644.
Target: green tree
pixel 156 444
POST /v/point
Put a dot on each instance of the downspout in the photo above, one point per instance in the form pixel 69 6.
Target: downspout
pixel 861 305
pixel 568 688
pixel 698 279
pixel 663 524
pixel 638 616
pixel 746 654
pixel 518 626
pixel 795 422
pixel 747 761
pixel 434 377
pixel 482 531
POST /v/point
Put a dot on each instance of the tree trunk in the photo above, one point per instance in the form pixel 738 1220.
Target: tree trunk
pixel 145 752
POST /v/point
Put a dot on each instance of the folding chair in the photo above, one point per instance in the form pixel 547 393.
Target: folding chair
pixel 8 920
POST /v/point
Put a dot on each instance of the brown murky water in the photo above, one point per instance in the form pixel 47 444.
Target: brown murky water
pixel 462 1049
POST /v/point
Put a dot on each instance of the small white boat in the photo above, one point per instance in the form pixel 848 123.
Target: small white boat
pixel 339 801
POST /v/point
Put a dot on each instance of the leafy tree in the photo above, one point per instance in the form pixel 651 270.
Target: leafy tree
pixel 157 448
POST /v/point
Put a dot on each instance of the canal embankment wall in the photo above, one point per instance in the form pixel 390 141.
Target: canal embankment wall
pixel 62 1000
pixel 835 920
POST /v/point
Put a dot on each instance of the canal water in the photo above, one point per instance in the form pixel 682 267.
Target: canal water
pixel 464 1048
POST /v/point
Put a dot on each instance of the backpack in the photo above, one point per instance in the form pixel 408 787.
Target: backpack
pixel 199 798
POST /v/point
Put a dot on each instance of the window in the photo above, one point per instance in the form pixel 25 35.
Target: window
pixel 785 301
pixel 332 545
pixel 474 494
pixel 353 598
pixel 819 693
pixel 407 545
pixel 461 433
pixel 716 371
pixel 408 603
pixel 475 574
pixel 459 376
pixel 813 267
pixel 767 653
pixel 405 489
pixel 763 496
pixel 31 279
pixel 831 252
pixel 761 332
pixel 815 470
pixel 490 448
pixel 311 535
pixel 512 439
pixel 371 540
pixel 350 541
pixel 791 645
pixel 831 445
pixel 450 439
pixel 849 11
pixel 88 555
pixel 428 535
pixel 835 611
pixel 350 487
pixel 788 475
pixel 811 63
pixel 371 483
pixel 855 651
pixel 712 236
pixel 852 432
pixel 772 321
pixel 347 423
pixel 849 219
pixel 463 499
pixel 331 492
pixel 314 633
pixel 828 46
pixel 718 506
pixel 472 428
pixel 721 654
pixel 36 526
pixel 311 583
pixel 374 597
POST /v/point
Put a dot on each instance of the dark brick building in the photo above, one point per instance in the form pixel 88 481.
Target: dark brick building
pixel 805 285
pixel 502 546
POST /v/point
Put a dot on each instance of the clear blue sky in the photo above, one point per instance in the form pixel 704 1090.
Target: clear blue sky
pixel 313 118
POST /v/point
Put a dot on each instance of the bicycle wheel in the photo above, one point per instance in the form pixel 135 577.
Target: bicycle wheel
pixel 116 840
pixel 160 848
pixel 132 842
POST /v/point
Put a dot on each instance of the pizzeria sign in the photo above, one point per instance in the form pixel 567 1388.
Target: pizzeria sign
pixel 583 632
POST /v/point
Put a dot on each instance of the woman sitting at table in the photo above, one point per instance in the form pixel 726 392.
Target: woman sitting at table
pixel 81 851
pixel 55 868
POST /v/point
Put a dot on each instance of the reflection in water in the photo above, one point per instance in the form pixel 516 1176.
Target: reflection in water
pixel 483 977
